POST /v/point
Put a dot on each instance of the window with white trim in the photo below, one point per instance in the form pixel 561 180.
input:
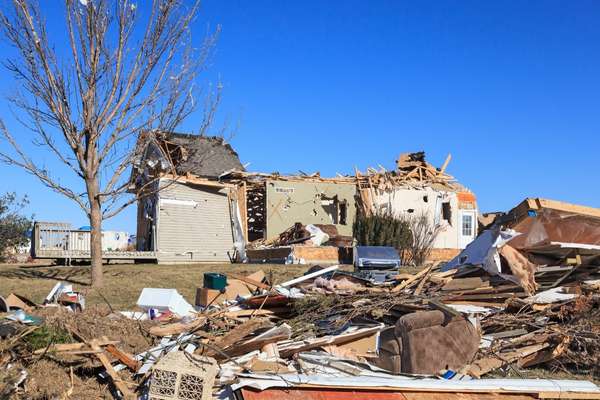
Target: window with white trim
pixel 467 225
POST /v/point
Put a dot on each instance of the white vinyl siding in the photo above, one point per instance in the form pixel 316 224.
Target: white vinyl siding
pixel 194 224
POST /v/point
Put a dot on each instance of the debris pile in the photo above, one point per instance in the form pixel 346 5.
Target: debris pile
pixel 315 335
pixel 303 244
pixel 411 169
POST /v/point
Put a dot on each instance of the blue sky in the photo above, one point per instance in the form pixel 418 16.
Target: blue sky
pixel 510 88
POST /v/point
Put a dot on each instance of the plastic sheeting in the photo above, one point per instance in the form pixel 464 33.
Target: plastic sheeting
pixel 483 251
pixel 550 296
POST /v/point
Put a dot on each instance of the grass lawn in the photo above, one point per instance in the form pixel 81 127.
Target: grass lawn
pixel 124 282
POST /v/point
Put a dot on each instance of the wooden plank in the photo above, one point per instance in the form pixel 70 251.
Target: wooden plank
pixel 507 334
pixel 341 339
pixel 250 345
pixel 409 281
pixel 318 254
pixel 544 356
pixel 484 365
pixel 124 357
pixel 177 327
pixel 325 392
pixel 554 268
pixel 235 335
pixel 485 296
pixel 445 164
pixel 563 277
pixel 421 284
pixel 475 303
pixel 252 312
pixel 444 308
pixel 249 281
pixel 567 207
pixel 118 382
pixel 60 347
pixel 196 180
pixel 466 284
pixel 570 395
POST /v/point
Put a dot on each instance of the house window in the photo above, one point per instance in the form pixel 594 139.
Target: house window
pixel 467 225
pixel 336 210
pixel 447 212
pixel 331 209
pixel 343 208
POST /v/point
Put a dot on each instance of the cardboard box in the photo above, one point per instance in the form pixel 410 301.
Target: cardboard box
pixel 15 301
pixel 206 296
pixel 234 288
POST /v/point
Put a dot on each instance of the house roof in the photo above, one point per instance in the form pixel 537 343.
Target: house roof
pixel 206 156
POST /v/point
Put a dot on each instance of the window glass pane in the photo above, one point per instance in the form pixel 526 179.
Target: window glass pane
pixel 467 225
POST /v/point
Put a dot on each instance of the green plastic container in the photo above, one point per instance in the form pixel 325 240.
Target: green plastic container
pixel 215 281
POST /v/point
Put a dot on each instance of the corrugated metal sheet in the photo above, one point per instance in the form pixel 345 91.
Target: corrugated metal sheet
pixel 194 224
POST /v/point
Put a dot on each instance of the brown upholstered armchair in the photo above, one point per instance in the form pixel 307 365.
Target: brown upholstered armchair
pixel 427 342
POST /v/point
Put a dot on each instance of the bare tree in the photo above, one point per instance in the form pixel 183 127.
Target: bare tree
pixel 128 67
pixel 424 232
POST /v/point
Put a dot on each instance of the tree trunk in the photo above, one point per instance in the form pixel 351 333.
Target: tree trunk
pixel 96 233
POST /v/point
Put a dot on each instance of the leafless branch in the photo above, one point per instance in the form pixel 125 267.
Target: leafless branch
pixel 126 74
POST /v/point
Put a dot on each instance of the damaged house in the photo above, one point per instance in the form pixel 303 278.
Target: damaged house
pixel 416 188
pixel 187 215
pixel 205 208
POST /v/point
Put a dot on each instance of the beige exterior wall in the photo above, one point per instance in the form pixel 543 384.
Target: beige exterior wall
pixel 309 203
pixel 406 201
pixel 194 224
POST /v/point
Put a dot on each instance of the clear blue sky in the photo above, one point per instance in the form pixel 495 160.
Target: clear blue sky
pixel 511 89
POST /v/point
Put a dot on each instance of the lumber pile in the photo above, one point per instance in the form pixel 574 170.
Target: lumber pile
pixel 411 170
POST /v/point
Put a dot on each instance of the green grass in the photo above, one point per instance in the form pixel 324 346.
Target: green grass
pixel 124 282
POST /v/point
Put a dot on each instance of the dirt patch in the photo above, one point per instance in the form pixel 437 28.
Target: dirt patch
pixel 50 380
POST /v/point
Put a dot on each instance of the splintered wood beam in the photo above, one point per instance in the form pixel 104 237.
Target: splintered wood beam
pixel 409 281
pixel 445 164
pixel 118 382
pixel 124 357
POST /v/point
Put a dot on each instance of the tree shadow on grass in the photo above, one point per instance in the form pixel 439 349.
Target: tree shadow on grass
pixel 71 275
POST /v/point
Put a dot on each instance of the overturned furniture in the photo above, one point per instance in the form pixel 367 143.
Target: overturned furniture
pixel 427 342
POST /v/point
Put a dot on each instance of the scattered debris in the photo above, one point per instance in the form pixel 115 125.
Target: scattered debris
pixel 493 312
